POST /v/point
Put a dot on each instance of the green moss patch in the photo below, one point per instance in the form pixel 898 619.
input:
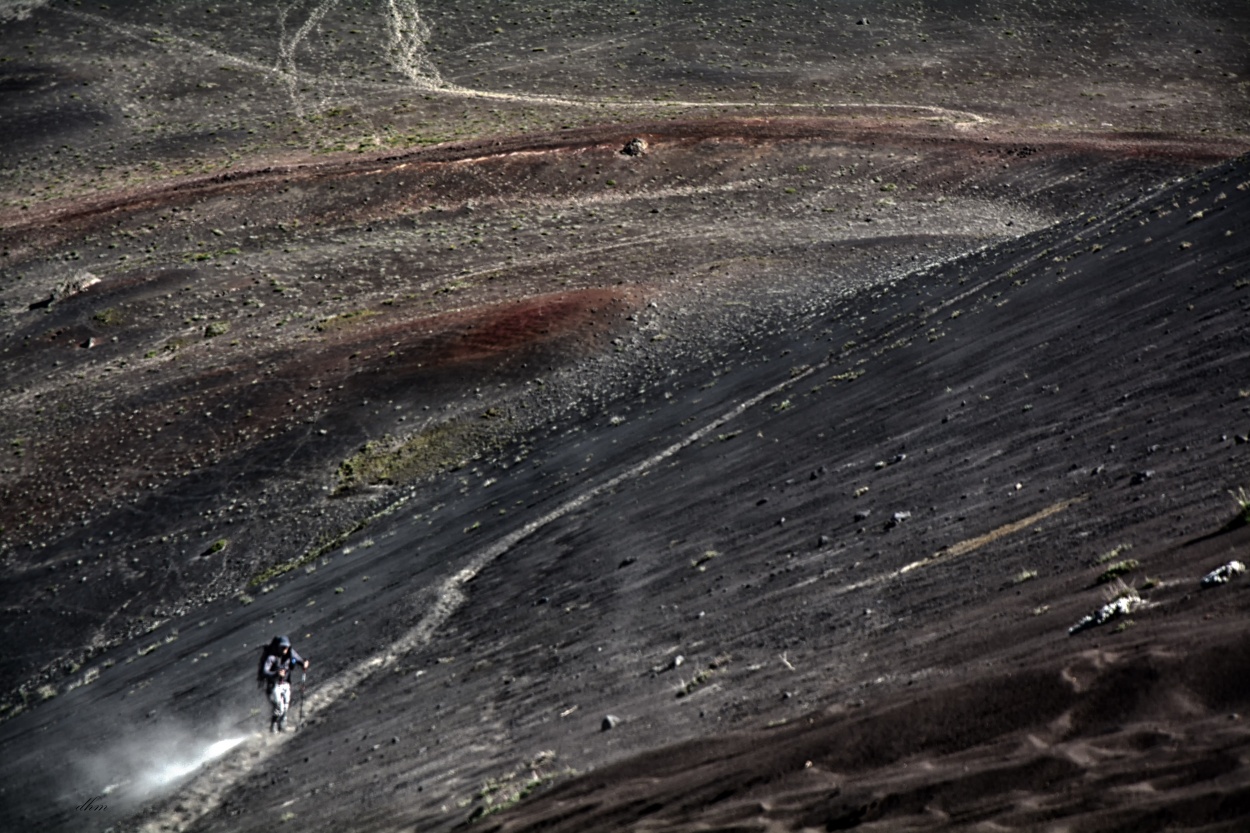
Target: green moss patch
pixel 394 461
pixel 110 317
pixel 1118 569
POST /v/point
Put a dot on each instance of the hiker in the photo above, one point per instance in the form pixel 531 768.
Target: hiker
pixel 276 662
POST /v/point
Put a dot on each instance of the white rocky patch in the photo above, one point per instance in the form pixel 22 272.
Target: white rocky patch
pixel 1223 574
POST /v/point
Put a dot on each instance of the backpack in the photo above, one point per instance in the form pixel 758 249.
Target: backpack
pixel 265 653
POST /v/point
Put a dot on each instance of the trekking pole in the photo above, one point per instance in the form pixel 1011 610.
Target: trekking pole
pixel 303 691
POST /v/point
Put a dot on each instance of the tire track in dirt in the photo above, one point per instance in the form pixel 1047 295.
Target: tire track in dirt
pixel 407 39
pixel 288 46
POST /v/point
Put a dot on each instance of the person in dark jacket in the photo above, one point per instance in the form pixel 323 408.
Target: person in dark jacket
pixel 276 663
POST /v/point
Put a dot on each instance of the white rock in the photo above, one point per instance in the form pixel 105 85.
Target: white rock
pixel 1223 574
pixel 1112 610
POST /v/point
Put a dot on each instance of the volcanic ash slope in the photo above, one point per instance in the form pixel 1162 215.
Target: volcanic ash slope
pixel 879 555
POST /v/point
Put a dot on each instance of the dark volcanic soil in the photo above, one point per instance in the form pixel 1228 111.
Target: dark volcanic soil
pixel 214 395
pixel 796 443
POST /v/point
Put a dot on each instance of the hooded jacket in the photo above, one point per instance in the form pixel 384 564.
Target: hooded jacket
pixel 272 661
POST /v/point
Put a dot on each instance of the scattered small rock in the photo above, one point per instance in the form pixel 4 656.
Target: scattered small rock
pixel 1141 477
pixel 863 514
pixel 610 722
pixel 625 562
pixel 1223 574
pixel 822 541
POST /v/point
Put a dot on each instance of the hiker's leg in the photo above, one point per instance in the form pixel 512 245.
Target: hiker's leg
pixel 271 694
pixel 286 704
pixel 279 697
